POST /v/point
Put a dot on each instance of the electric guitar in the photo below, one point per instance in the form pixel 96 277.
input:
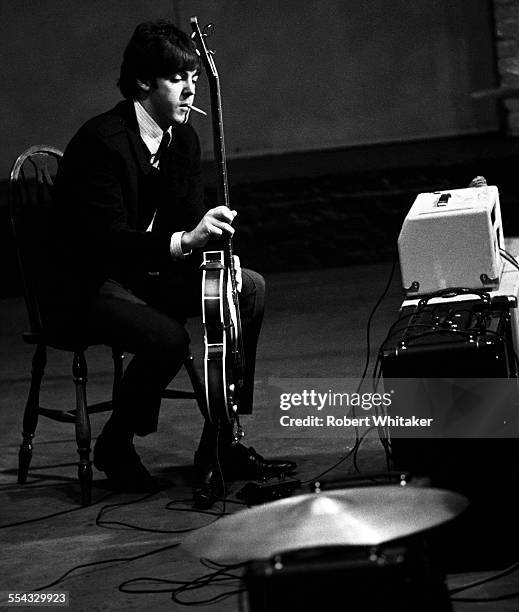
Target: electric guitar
pixel 223 358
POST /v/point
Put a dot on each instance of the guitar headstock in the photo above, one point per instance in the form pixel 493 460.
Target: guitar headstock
pixel 206 54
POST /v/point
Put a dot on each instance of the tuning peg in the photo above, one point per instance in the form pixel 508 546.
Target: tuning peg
pixel 208 30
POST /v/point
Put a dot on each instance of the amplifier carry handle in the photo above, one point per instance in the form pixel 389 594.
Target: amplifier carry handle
pixel 453 291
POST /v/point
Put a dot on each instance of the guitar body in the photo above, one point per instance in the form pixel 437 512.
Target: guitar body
pixel 223 359
pixel 223 365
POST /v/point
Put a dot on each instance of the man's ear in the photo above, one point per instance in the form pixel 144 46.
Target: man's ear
pixel 144 85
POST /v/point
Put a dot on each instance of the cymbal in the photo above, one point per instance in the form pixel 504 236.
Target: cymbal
pixel 363 516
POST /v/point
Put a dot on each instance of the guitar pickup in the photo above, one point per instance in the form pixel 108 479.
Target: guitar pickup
pixel 214 351
pixel 212 265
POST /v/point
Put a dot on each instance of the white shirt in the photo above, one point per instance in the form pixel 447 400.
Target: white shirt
pixel 151 133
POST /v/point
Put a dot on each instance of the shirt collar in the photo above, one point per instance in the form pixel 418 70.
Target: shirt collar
pixel 149 129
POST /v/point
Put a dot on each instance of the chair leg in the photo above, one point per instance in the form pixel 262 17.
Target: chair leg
pixel 30 415
pixel 118 358
pixel 83 432
pixel 197 384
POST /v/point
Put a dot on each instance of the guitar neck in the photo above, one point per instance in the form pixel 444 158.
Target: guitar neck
pixel 222 188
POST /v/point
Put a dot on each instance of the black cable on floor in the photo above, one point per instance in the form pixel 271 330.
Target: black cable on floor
pixel 359 439
pixel 105 561
pixel 508 570
pixel 100 522
pixel 54 514
pixel 219 577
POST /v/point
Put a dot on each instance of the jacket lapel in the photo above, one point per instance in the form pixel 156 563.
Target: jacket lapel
pixel 138 149
pixel 176 157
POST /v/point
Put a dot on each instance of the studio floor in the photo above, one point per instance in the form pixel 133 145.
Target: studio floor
pixel 315 327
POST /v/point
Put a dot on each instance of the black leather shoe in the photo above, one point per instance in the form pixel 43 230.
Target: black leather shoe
pixel 124 469
pixel 241 463
pixel 207 485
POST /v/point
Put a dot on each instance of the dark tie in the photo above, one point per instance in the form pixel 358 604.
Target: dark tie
pixel 164 144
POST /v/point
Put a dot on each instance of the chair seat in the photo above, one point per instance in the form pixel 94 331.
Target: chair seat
pixel 61 340
pixel 62 331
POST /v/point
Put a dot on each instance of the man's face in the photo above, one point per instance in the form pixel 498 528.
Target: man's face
pixel 169 101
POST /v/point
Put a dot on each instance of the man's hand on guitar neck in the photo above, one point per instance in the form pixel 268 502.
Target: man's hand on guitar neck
pixel 214 223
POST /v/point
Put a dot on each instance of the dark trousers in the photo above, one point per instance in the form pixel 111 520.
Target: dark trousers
pixel 149 321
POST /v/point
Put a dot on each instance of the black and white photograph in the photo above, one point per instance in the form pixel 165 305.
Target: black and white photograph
pixel 259 319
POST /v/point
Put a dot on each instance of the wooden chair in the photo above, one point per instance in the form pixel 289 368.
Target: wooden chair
pixel 30 198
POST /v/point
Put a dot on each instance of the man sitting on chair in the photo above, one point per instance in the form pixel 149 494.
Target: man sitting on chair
pixel 130 221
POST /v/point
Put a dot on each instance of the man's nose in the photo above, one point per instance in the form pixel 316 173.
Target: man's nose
pixel 189 88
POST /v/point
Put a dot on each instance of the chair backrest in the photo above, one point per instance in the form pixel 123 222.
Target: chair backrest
pixel 30 200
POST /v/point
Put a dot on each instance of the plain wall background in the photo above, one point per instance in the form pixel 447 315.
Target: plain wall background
pixel 294 75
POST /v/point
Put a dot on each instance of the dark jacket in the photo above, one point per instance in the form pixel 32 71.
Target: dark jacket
pixel 105 193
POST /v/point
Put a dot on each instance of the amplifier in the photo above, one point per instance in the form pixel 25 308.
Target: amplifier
pixel 465 338
pixel 452 239
pixel 453 339
pixel 400 575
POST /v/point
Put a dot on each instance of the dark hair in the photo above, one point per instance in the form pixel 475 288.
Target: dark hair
pixel 156 49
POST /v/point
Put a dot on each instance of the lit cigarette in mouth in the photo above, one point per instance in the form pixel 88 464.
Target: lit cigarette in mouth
pixel 197 110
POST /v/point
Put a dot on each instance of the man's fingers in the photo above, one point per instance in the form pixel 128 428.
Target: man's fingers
pixel 221 226
pixel 213 230
pixel 214 223
pixel 223 213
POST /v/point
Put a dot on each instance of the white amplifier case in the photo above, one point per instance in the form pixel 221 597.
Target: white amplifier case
pixel 452 239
